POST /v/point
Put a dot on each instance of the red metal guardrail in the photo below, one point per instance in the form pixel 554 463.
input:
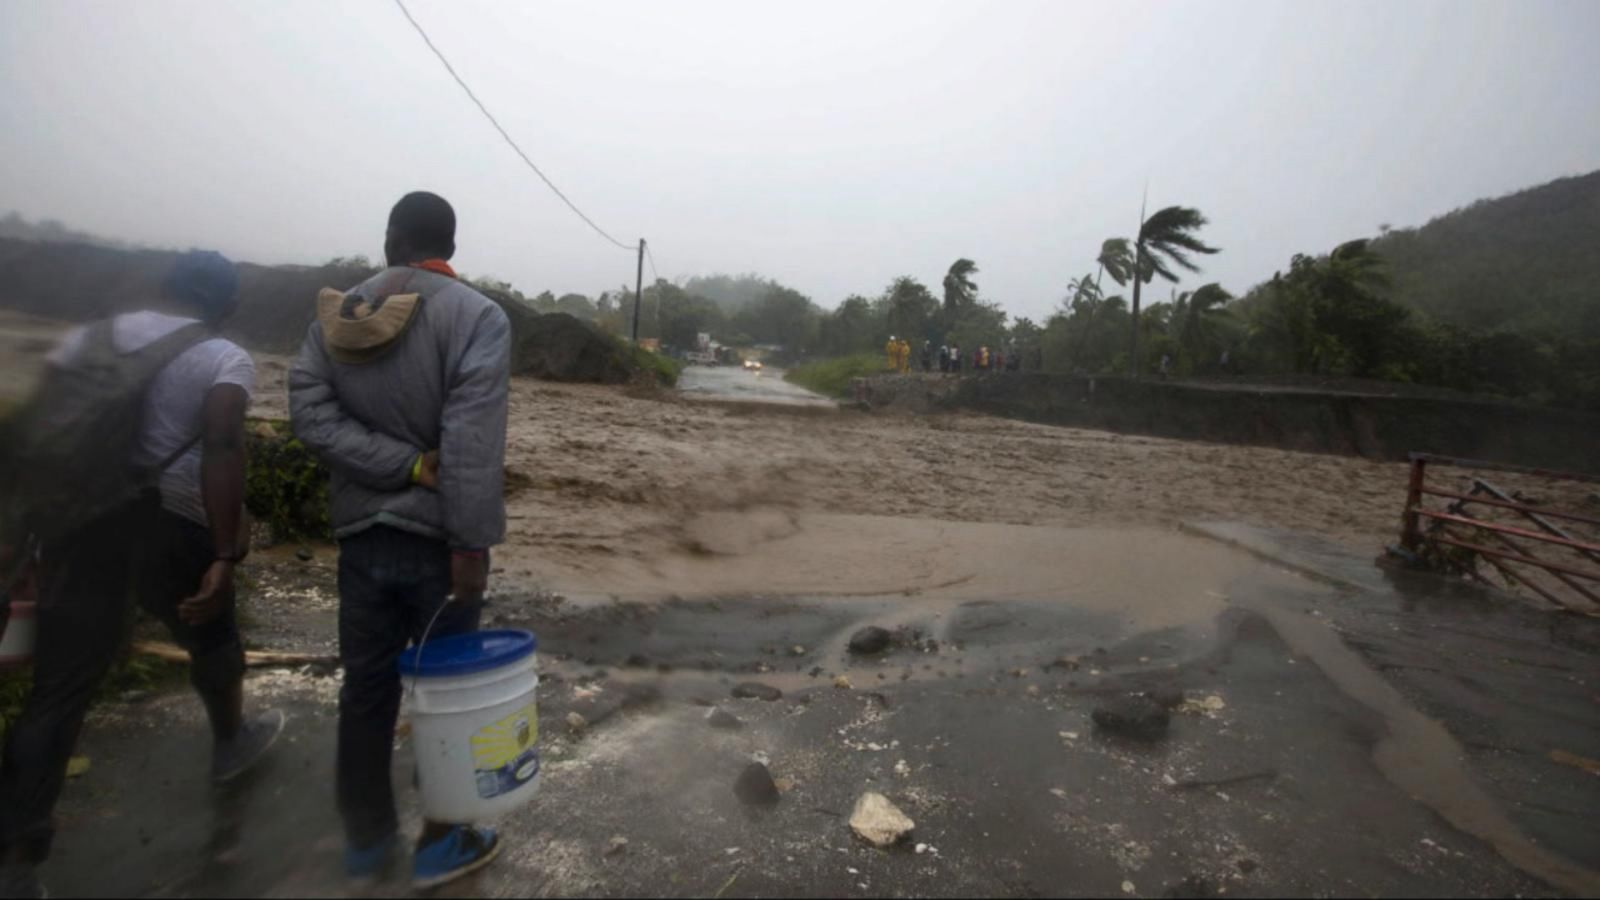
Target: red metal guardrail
pixel 1511 555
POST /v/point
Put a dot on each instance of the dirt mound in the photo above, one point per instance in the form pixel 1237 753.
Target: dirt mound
pixel 560 347
pixel 79 282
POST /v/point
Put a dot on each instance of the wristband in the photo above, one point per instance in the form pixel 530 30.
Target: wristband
pixel 416 469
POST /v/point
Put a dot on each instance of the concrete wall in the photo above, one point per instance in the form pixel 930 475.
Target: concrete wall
pixel 1370 425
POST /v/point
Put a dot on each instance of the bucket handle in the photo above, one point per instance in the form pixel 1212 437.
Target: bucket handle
pixel 416 671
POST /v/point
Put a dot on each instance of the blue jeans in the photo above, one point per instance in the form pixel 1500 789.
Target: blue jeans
pixel 391 583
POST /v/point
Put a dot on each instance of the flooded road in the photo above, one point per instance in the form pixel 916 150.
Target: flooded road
pixel 742 385
pixel 1332 740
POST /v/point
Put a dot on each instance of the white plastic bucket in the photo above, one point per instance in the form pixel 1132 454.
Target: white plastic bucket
pixel 474 723
pixel 21 633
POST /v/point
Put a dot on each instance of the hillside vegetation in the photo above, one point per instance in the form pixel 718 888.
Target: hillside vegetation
pixel 1528 262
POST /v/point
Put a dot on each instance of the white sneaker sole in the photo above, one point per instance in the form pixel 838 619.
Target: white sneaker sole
pixel 423 884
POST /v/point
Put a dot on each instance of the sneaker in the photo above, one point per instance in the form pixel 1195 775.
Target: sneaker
pixel 462 851
pixel 233 758
pixel 372 863
pixel 21 881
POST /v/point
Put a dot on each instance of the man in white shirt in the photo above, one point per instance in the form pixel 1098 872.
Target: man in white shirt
pixel 176 547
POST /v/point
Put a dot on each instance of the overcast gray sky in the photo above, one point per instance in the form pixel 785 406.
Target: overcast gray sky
pixel 832 146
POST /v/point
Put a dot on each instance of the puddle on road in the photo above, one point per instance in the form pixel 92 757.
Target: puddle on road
pixel 1145 577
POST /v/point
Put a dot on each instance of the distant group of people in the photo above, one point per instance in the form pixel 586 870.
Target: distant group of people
pixel 999 359
pixel 899 353
pixel 950 357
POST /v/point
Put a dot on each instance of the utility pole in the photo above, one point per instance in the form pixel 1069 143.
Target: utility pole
pixel 1138 270
pixel 638 292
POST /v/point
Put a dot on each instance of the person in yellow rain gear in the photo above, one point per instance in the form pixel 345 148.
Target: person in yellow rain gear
pixel 892 350
pixel 905 356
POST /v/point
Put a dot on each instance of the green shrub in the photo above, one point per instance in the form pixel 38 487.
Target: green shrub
pixel 664 369
pixel 285 488
pixel 832 377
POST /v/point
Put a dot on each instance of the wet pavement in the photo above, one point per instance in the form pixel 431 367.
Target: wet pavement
pixel 740 385
pixel 1360 732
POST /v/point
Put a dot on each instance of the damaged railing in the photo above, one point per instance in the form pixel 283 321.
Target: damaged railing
pixel 1512 556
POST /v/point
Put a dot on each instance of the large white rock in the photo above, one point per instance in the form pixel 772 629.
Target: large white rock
pixel 879 822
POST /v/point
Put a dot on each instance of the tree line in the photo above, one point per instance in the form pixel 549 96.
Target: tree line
pixel 1352 311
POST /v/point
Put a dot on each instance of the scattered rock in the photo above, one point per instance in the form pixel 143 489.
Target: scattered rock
pixel 576 723
pixel 1168 697
pixel 304 554
pixel 879 822
pixel 755 690
pixel 842 682
pixel 815 671
pixel 870 640
pixel 1019 673
pixel 798 650
pixel 617 846
pixel 902 769
pixel 1208 706
pixel 637 661
pixel 1033 690
pixel 721 718
pixel 1247 866
pixel 1128 888
pixel 1139 718
pixel 755 786
pixel 1067 664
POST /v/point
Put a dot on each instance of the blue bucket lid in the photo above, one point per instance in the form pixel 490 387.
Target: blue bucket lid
pixel 467 654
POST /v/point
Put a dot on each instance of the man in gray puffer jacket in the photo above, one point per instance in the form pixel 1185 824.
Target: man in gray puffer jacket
pixel 401 388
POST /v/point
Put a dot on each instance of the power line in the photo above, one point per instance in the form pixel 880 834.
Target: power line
pixel 651 256
pixel 508 139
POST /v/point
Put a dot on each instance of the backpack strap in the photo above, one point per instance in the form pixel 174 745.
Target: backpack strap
pixel 156 355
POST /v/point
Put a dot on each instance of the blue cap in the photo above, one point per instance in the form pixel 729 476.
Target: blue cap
pixel 206 280
pixel 468 654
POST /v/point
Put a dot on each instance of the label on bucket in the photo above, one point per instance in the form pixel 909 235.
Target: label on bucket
pixel 505 754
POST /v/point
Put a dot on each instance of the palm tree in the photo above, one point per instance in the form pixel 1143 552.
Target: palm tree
pixel 1083 295
pixel 1197 314
pixel 960 291
pixel 1353 267
pixel 1081 290
pixel 1166 238
pixel 1115 257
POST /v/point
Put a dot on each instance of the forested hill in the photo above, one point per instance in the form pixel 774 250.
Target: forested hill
pixel 1527 262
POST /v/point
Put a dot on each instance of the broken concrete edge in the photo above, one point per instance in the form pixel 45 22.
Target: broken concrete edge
pixel 1205 530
